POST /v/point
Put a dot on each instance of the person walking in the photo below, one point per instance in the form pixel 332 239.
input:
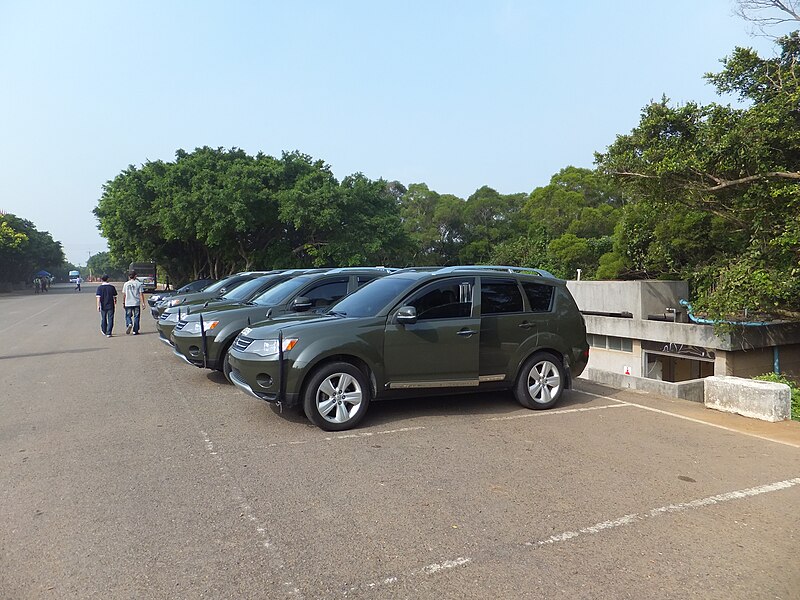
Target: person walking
pixel 37 285
pixel 134 301
pixel 78 282
pixel 106 303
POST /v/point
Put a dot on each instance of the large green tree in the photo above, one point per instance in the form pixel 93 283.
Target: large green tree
pixel 727 178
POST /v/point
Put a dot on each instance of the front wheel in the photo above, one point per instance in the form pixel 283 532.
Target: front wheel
pixel 540 381
pixel 336 397
pixel 226 367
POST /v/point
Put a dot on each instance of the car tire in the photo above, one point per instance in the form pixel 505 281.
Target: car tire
pixel 226 367
pixel 336 397
pixel 541 381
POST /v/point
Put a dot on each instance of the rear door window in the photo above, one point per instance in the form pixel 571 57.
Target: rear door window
pixel 499 296
pixel 540 296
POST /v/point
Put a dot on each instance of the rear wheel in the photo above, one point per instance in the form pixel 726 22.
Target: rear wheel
pixel 540 381
pixel 336 397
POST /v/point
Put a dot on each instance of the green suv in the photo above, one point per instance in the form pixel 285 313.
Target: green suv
pixel 202 337
pixel 243 292
pixel 454 329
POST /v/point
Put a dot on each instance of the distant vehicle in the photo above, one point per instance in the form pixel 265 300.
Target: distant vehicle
pixel 146 273
pixel 73 276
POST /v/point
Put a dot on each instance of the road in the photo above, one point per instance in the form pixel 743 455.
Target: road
pixel 128 474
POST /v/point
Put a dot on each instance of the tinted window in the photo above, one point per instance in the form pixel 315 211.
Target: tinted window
pixel 370 300
pixel 443 300
pixel 500 296
pixel 362 279
pixel 540 296
pixel 326 293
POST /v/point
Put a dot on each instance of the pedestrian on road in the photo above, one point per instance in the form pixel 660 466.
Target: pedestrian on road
pixel 37 285
pixel 106 303
pixel 134 302
pixel 78 282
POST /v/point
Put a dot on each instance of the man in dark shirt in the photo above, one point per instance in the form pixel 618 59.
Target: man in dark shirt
pixel 106 302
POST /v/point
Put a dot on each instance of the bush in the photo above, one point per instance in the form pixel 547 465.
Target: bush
pixel 793 387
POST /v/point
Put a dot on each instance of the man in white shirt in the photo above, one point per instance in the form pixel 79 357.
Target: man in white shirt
pixel 134 301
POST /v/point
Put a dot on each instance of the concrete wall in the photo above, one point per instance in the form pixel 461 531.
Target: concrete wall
pixel 687 390
pixel 641 298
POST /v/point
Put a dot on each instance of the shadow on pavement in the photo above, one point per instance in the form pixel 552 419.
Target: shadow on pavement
pixel 35 354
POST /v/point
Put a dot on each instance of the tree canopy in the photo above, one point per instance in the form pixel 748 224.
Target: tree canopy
pixel 717 187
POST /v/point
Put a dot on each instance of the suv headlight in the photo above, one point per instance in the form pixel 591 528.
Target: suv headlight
pixel 194 326
pixel 175 302
pixel 270 347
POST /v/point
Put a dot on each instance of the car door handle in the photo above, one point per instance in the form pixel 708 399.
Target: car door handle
pixel 466 332
pixel 526 325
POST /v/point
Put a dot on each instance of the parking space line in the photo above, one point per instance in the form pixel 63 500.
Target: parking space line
pixel 693 420
pixel 543 413
pixel 344 436
pixel 594 529
pixel 670 508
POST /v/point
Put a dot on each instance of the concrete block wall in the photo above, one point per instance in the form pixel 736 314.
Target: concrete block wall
pixel 750 398
pixel 640 298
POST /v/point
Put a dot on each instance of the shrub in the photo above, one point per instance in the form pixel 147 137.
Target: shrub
pixel 793 387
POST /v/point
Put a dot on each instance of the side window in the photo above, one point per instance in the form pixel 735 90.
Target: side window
pixel 327 293
pixel 450 299
pixel 362 280
pixel 500 296
pixel 540 296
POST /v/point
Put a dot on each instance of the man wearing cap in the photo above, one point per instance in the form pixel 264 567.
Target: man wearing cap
pixel 134 302
pixel 106 303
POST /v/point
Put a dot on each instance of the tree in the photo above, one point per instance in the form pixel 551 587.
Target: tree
pixel 25 250
pixel 768 13
pixel 103 264
pixel 730 173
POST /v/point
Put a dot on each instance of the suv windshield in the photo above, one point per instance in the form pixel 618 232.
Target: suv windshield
pixel 370 299
pixel 277 294
pixel 242 291
pixel 215 287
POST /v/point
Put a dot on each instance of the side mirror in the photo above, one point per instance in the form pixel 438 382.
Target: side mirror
pixel 407 315
pixel 301 303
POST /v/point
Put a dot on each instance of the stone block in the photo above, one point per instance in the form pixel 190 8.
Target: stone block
pixel 763 400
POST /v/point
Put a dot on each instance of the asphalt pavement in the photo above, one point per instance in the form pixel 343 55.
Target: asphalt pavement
pixel 127 473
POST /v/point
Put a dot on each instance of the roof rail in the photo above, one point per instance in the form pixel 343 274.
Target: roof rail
pixel 351 269
pixel 504 268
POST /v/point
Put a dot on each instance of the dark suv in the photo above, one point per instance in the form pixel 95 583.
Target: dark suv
pixel 215 290
pixel 202 337
pixel 453 329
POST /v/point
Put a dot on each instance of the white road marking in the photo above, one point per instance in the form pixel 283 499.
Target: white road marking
pixel 544 413
pixel 346 436
pixel 691 419
pixel 670 508
pixel 426 570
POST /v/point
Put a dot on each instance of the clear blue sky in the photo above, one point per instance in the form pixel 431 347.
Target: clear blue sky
pixel 455 94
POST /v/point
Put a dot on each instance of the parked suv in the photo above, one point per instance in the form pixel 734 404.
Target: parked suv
pixel 202 338
pixel 198 285
pixel 454 329
pixel 244 292
pixel 215 290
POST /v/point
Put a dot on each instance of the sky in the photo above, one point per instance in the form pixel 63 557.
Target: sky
pixel 454 94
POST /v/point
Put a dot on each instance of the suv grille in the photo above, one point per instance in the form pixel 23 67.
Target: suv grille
pixel 242 342
pixel 181 325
